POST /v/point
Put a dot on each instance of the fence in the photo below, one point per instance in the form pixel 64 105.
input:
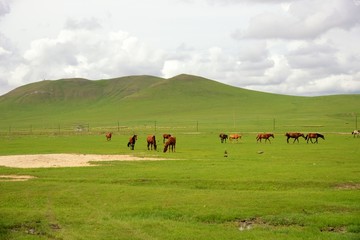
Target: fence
pixel 239 125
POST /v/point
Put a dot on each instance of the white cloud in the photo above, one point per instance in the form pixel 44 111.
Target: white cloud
pixel 91 54
pixel 4 7
pixel 306 19
pixel 298 47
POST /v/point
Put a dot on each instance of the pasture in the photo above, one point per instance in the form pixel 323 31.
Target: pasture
pixel 259 191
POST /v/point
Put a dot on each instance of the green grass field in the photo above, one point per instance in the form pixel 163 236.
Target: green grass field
pixel 260 191
pixel 290 191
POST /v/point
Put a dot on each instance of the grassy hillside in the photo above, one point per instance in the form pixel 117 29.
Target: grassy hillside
pixel 137 100
pixel 282 190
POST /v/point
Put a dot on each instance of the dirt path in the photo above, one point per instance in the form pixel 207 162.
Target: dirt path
pixel 62 160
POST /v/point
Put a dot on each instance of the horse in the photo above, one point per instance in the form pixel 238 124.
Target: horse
pixel 132 141
pixel 234 136
pixel 294 135
pixel 356 133
pixel 310 136
pixel 151 141
pixel 108 136
pixel 265 136
pixel 223 137
pixel 170 142
pixel 166 136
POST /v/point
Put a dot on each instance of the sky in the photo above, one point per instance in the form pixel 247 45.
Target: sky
pixel 293 47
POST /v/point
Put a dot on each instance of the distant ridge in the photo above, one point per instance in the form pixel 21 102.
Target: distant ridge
pixel 149 97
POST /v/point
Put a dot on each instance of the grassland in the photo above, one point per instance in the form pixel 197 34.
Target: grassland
pixel 260 191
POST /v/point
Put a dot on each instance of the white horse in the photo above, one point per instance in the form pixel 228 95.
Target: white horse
pixel 356 133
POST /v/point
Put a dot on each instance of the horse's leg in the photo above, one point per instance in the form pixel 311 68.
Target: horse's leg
pixel 287 140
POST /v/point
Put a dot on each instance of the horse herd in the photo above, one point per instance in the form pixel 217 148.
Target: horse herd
pixel 267 136
pixel 151 141
pixel 171 140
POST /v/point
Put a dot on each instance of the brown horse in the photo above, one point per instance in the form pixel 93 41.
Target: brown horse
pixel 234 136
pixel 294 135
pixel 151 141
pixel 310 136
pixel 166 136
pixel 132 141
pixel 170 142
pixel 108 136
pixel 265 136
pixel 223 137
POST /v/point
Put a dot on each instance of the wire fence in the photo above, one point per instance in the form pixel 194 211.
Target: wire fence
pixel 240 125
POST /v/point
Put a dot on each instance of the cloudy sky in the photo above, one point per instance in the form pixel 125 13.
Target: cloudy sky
pixel 296 47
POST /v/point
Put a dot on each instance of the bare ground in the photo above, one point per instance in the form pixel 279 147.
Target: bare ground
pixel 62 160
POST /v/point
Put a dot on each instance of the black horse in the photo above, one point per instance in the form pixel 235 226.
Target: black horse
pixel 132 141
pixel 223 137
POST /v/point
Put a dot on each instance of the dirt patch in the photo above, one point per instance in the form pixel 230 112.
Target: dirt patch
pixel 63 160
pixel 14 178
pixel 348 186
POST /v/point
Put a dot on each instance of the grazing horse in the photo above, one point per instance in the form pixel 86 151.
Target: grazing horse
pixel 223 137
pixel 310 136
pixel 265 136
pixel 170 142
pixel 234 136
pixel 294 135
pixel 166 136
pixel 151 141
pixel 108 136
pixel 356 133
pixel 132 141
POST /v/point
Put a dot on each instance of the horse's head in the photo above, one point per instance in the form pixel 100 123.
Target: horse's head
pixel 272 135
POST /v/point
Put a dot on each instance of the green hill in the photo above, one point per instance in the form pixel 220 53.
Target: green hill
pixel 141 100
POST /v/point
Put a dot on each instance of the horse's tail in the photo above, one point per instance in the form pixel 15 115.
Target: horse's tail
pixel 128 144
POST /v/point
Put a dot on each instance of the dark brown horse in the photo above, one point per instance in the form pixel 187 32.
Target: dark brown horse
pixel 234 136
pixel 294 135
pixel 151 141
pixel 265 136
pixel 108 136
pixel 170 142
pixel 223 137
pixel 132 141
pixel 166 136
pixel 310 136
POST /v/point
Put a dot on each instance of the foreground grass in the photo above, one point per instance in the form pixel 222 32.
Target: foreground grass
pixel 289 191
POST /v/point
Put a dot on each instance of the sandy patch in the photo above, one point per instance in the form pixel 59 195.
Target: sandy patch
pixel 14 178
pixel 62 160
